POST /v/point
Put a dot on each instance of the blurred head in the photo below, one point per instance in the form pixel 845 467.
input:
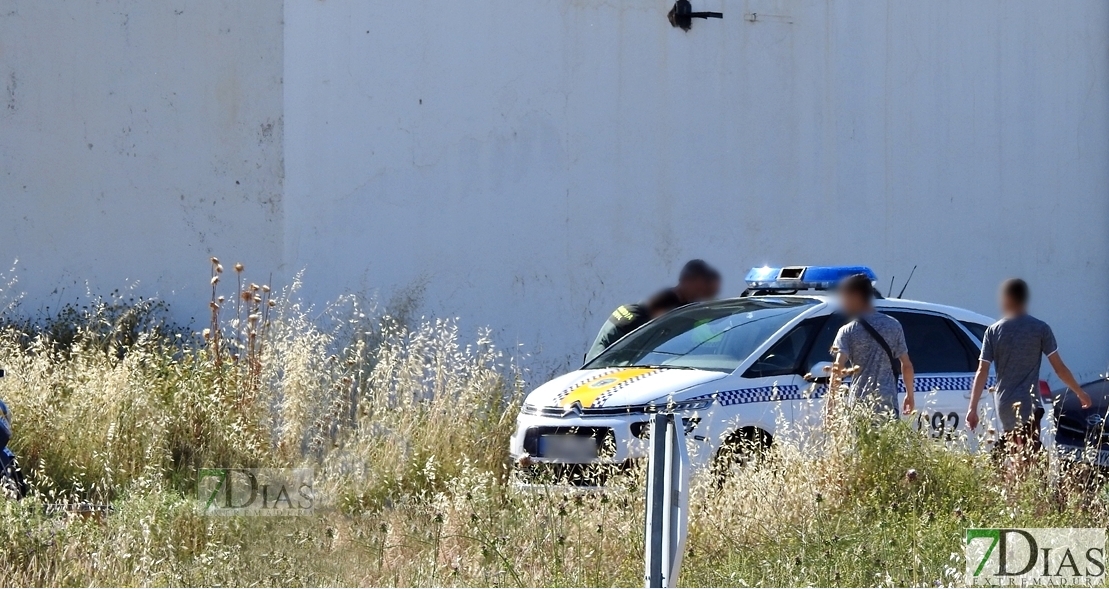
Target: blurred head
pixel 663 302
pixel 698 282
pixel 856 294
pixel 1014 296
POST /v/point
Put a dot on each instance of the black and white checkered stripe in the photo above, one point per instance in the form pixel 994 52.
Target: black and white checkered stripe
pixel 766 394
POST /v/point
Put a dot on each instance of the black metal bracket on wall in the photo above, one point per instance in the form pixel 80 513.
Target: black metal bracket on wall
pixel 682 15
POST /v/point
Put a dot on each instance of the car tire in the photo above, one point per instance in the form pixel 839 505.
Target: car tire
pixel 742 448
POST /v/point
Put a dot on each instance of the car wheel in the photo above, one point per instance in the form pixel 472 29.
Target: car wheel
pixel 743 447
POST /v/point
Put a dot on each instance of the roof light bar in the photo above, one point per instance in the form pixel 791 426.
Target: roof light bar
pixel 803 277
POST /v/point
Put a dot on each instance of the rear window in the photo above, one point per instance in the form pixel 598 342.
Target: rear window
pixel 934 343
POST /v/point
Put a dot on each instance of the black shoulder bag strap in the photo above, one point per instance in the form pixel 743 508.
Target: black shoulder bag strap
pixel 894 364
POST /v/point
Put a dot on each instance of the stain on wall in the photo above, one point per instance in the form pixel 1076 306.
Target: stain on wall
pixel 136 140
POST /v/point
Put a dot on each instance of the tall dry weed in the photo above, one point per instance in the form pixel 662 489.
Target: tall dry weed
pixel 406 421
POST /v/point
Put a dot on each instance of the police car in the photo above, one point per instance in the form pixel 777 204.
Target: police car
pixel 735 370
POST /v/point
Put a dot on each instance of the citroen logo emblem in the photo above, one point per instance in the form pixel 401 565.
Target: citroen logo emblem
pixel 575 408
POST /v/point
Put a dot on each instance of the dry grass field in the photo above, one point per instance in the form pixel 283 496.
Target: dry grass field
pixel 405 422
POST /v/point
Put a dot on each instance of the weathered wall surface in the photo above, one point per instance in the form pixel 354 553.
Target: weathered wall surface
pixel 136 139
pixel 530 165
pixel 537 163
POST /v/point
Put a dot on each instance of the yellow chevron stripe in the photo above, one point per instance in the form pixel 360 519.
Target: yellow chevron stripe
pixel 587 392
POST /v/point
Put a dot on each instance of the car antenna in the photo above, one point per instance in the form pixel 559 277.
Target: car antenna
pixel 890 293
pixel 907 282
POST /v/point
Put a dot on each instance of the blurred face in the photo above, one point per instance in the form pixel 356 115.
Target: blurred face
pixel 712 290
pixel 1008 305
pixel 701 289
pixel 852 302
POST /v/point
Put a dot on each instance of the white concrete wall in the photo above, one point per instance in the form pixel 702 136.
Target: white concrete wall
pixel 137 138
pixel 533 164
pixel 537 163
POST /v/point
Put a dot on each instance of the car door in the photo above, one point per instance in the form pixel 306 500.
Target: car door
pixel 780 370
pixel 944 360
pixel 810 408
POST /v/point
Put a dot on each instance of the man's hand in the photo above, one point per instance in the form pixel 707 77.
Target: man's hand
pixel 1083 398
pixel 909 376
pixel 1068 379
pixel 976 388
pixel 972 417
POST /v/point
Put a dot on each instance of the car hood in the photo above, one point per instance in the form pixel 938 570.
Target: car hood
pixel 617 387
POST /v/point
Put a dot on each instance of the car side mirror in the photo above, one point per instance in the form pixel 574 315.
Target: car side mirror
pixel 820 373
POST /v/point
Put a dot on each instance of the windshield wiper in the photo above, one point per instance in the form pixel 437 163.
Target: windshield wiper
pixel 661 366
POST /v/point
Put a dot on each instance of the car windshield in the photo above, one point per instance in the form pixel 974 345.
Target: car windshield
pixel 710 336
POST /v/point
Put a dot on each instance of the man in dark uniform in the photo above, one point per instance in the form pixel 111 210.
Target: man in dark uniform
pixel 697 282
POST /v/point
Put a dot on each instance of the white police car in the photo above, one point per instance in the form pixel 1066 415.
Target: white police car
pixel 735 371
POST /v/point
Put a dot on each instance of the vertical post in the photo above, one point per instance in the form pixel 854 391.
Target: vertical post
pixel 667 500
pixel 670 440
pixel 655 524
pixel 679 500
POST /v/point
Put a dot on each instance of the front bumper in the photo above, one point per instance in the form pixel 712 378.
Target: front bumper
pixel 620 435
pixel 1076 450
pixel 619 438
pixel 619 441
pixel 1078 441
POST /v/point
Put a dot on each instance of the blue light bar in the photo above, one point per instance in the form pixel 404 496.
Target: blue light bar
pixel 803 277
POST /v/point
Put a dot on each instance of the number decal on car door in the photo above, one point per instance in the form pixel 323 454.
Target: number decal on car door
pixel 952 423
pixel 942 425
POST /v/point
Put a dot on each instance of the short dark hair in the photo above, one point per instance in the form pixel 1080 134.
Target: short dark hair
pixel 858 284
pixel 698 269
pixel 1016 290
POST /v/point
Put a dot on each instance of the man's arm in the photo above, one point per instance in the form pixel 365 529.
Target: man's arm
pixel 839 369
pixel 908 375
pixel 841 349
pixel 1068 379
pixel 981 376
pixel 976 389
pixel 899 349
pixel 842 353
pixel 624 320
pixel 603 340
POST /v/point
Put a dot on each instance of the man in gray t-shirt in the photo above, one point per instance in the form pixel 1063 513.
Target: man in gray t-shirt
pixel 1015 345
pixel 875 378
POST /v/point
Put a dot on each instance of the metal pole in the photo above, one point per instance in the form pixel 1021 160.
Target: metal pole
pixel 678 499
pixel 668 501
pixel 656 498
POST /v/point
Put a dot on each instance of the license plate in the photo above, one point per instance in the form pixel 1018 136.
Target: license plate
pixel 568 447
pixel 1100 457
